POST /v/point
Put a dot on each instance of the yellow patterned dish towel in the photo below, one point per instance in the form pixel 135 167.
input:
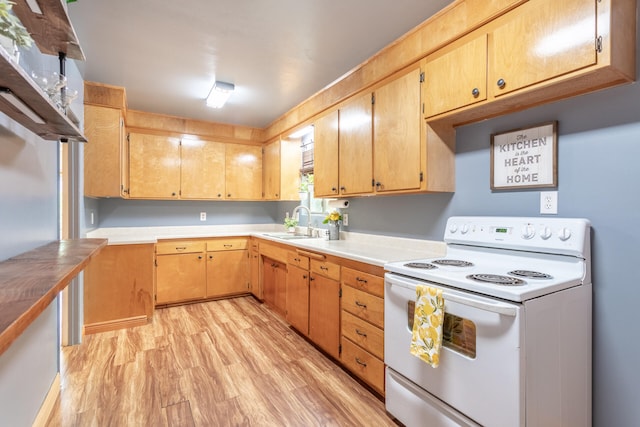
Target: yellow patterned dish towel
pixel 427 325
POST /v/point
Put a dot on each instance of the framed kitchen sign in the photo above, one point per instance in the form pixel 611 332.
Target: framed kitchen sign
pixel 525 158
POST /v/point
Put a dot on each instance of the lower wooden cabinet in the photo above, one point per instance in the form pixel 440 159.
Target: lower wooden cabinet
pixel 324 308
pixel 297 298
pixel 274 284
pixel 362 326
pixel 181 272
pixel 192 270
pixel 254 263
pixel 118 288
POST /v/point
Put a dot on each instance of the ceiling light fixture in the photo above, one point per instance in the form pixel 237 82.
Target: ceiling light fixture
pixel 21 106
pixel 219 94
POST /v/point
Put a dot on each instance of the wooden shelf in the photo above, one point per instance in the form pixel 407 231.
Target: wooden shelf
pixel 31 281
pixel 52 31
pixel 57 126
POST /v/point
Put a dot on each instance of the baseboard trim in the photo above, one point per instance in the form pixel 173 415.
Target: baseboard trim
pixel 112 325
pixel 49 402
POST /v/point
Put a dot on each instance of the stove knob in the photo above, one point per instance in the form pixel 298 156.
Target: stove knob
pixel 564 234
pixel 545 232
pixel 528 231
pixel 453 228
pixel 465 229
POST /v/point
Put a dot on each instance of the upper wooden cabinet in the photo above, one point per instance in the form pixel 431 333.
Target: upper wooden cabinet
pixel 541 51
pixel 455 77
pixel 154 166
pixel 540 40
pixel 397 143
pixel 271 170
pixel 281 162
pixel 104 158
pixel 202 169
pixel 356 146
pixel 325 155
pixel 243 172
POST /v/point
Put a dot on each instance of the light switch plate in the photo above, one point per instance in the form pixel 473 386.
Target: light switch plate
pixel 549 202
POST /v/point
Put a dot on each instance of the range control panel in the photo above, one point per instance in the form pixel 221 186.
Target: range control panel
pixel 568 236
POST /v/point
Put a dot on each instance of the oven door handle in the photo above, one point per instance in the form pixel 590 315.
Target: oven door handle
pixel 494 307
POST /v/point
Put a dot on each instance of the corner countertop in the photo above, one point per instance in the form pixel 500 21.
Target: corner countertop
pixel 368 248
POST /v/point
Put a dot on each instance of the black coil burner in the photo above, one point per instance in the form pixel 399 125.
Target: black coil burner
pixel 497 279
pixel 422 265
pixel 453 263
pixel 530 274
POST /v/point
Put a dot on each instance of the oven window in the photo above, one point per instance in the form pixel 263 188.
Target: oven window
pixel 458 333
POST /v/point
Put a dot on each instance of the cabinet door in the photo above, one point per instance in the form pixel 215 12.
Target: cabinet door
pixel 457 78
pixel 298 298
pixel 324 314
pixel 271 162
pixel 243 172
pixel 104 128
pixel 274 284
pixel 290 164
pixel 202 169
pixel 180 277
pixel 562 40
pixel 154 166
pixel 356 146
pixel 255 274
pixel 397 130
pixel 227 273
pixel 325 155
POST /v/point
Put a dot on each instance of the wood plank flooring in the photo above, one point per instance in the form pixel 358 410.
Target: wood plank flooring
pixel 221 363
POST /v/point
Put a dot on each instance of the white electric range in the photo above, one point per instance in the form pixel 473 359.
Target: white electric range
pixel 517 333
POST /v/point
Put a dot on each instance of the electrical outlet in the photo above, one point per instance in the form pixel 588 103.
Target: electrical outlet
pixel 345 219
pixel 203 216
pixel 549 202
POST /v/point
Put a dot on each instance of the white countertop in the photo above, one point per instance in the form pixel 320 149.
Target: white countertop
pixel 367 248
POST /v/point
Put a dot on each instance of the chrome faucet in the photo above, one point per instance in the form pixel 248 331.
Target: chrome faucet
pixel 295 212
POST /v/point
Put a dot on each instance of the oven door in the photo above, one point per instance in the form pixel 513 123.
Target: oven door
pixel 481 366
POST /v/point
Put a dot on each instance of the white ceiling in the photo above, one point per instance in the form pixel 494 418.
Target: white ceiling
pixel 167 54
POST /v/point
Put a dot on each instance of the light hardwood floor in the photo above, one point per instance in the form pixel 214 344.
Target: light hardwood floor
pixel 221 363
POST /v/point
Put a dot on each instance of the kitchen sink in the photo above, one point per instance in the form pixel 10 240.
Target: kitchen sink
pixel 289 236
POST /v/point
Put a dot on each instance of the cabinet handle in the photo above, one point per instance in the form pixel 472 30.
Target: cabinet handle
pixel 361 280
pixel 228 246
pixel 475 92
pixel 501 83
pixel 359 304
pixel 181 248
pixel 362 334
pixel 360 362
pixel 322 267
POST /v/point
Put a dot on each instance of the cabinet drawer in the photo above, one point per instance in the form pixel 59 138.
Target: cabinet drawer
pixel 226 245
pixel 179 247
pixel 326 269
pixel 298 260
pixel 364 334
pixel 363 364
pixel 274 252
pixel 363 305
pixel 363 281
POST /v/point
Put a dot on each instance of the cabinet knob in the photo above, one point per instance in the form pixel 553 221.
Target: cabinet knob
pixel 173 194
pixel 199 256
pixel 501 83
pixel 304 276
pixel 334 189
pixel 475 92
pixel 228 195
pixel 378 184
pixel 219 195
pixel 210 256
pixel 276 194
pixel 342 188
